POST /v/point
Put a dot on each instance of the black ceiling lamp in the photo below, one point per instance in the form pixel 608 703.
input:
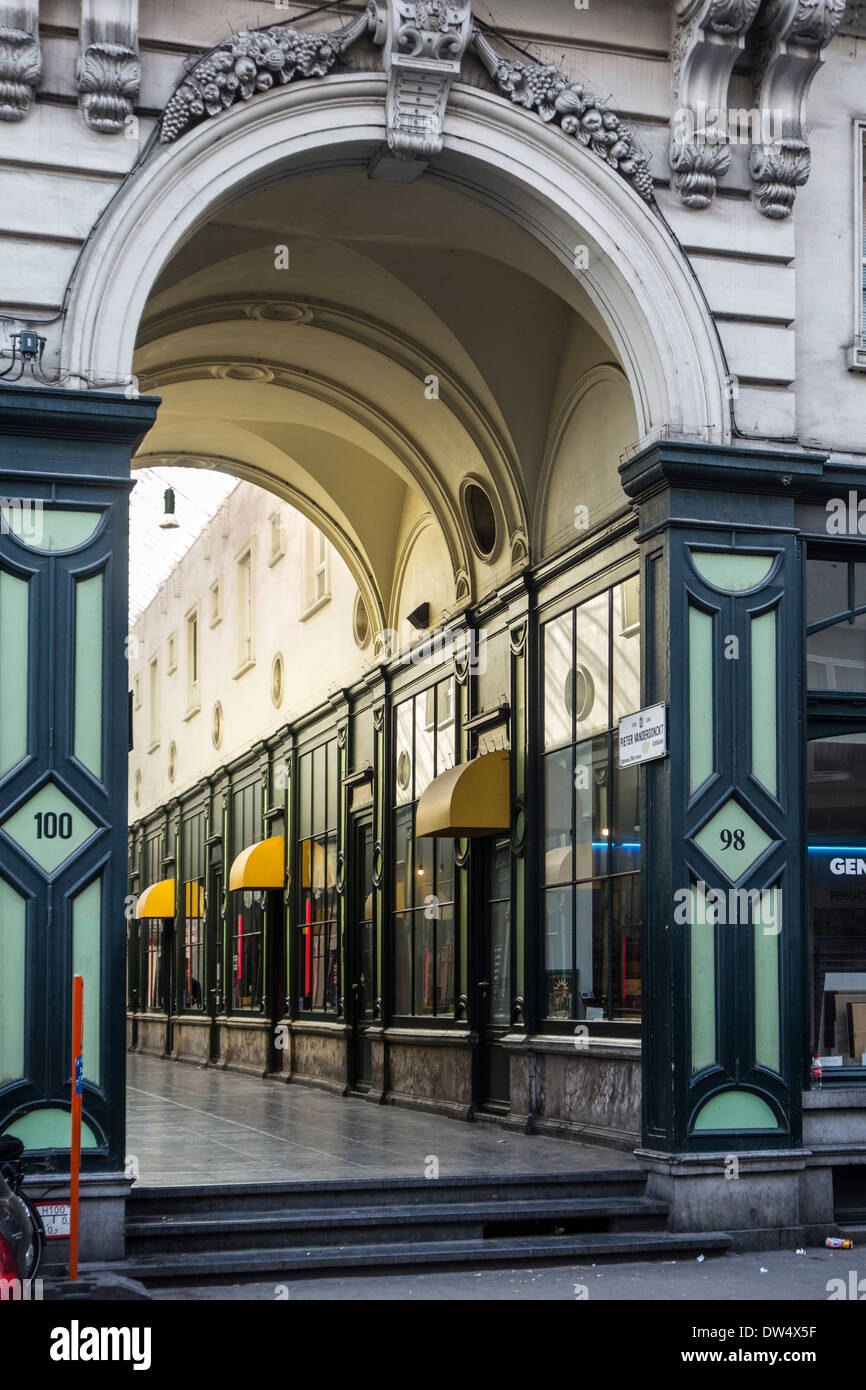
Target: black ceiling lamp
pixel 169 520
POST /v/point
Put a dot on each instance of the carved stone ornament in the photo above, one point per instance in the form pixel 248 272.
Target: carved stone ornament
pixel 791 37
pixel 108 75
pixel 20 71
pixel 424 43
pixel 708 37
pixel 253 61
pixel 579 113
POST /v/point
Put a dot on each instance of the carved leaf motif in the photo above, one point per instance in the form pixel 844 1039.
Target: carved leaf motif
pixel 20 70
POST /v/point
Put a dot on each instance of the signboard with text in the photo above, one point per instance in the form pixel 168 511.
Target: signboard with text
pixel 643 737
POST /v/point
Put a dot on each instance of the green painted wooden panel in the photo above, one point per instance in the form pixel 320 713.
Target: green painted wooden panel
pixel 732 570
pixel 87 740
pixel 764 704
pixel 49 528
pixel 49 1128
pixel 14 612
pixel 701 759
pixel 13 959
pixel 702 958
pixel 767 1030
pixel 86 962
pixel 736 1110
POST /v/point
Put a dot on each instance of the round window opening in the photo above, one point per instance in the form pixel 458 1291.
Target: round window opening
pixel 277 680
pixel 481 518
pixel 404 770
pixel 172 760
pixel 361 623
pixel 579 693
pixel 136 795
pixel 216 725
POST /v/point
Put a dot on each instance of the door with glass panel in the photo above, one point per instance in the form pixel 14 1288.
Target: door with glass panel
pixel 495 992
pixel 361 951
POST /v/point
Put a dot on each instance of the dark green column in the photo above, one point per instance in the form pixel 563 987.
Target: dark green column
pixel 64 490
pixel 723 853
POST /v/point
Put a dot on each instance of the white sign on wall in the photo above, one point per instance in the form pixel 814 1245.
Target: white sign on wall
pixel 643 737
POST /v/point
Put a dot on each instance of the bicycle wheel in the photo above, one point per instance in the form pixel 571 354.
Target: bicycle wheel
pixel 38 1228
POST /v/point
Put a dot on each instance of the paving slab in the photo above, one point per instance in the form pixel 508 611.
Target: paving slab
pixel 197 1125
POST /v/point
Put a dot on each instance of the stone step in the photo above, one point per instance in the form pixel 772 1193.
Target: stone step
pixel 281 1197
pixel 215 1265
pixel 419 1222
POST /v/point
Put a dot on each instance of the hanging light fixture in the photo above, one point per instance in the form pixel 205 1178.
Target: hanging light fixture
pixel 169 520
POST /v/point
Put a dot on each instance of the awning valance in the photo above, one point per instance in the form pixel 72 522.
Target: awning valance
pixel 473 799
pixel 260 866
pixel 158 900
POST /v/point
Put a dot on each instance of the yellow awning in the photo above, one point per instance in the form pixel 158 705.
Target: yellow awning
pixel 473 799
pixel 261 866
pixel 158 900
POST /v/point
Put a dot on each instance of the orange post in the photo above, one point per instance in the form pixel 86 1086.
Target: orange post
pixel 75 1147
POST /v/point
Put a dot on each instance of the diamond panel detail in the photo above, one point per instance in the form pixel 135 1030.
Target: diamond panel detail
pixel 49 827
pixel 732 840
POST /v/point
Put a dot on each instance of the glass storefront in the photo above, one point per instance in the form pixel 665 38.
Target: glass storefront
pixel 591 863
pixel 318 937
pixel 837 885
pixel 424 906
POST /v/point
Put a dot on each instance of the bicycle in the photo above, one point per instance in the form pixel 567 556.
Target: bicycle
pixel 22 1232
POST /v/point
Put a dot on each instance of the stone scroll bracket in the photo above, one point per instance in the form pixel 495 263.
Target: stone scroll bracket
pixel 790 38
pixel 20 58
pixel 108 70
pixel 708 38
pixel 424 42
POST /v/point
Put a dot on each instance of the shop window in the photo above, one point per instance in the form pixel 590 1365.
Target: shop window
pixel 318 943
pixel 247 950
pixel 192 982
pixel 591 864
pixel 424 878
pixel 837 885
pixel 836 625
pixel 154 997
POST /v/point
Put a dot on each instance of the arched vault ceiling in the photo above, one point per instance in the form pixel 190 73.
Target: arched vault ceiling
pixel 424 274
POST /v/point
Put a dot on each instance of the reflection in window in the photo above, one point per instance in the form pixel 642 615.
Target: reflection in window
pixel 247 953
pixel 837 874
pixel 590 873
pixel 836 625
pixel 424 923
pixel 318 953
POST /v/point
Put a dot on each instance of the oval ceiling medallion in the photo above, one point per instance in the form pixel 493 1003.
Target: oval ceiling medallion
pixel 244 371
pixel 280 311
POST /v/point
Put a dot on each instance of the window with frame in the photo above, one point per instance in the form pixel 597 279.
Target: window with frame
pixel 277 537
pixel 154 693
pixel 193 965
pixel 215 594
pixel 171 654
pixel 424 922
pixel 591 861
pixel 245 597
pixel 317 570
pixel 318 937
pixel 835 624
pixel 193 692
pixel 247 950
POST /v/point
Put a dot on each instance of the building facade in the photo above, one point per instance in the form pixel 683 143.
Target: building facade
pixel 573 382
